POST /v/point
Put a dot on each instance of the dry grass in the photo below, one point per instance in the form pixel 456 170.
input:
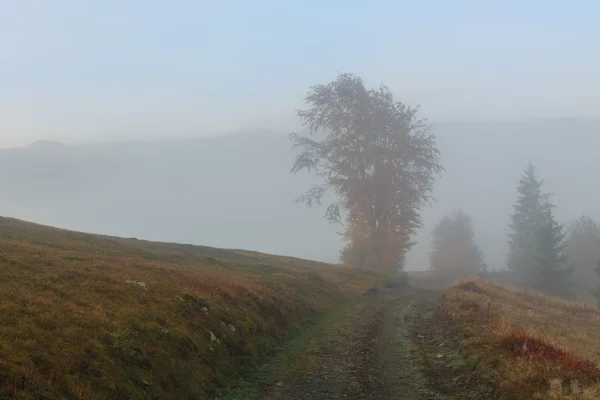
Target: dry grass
pixel 532 341
pixel 521 344
pixel 96 317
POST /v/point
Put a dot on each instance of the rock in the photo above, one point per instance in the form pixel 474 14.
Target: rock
pixel 140 284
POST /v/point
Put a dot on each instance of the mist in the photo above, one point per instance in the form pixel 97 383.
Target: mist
pixel 235 191
pixel 174 130
pixel 298 200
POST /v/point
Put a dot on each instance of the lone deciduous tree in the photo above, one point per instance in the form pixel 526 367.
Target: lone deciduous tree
pixel 454 250
pixel 379 160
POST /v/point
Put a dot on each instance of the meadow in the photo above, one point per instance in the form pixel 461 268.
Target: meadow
pixel 96 317
pixel 529 345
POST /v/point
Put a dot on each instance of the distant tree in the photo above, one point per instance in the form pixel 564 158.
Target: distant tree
pixel 484 272
pixel 596 291
pixel 584 252
pixel 379 160
pixel 526 220
pixel 454 249
pixel 554 274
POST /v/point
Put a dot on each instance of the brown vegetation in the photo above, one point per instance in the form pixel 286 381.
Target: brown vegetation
pixel 90 316
pixel 527 341
pixel 523 345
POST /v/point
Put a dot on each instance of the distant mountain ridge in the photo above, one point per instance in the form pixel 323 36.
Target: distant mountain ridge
pixel 235 191
pixel 45 145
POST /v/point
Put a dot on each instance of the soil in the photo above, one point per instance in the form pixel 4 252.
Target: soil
pixel 393 344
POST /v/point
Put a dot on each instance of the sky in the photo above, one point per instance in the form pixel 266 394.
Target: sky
pixel 84 71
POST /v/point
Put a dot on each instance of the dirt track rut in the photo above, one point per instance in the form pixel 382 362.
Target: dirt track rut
pixel 366 353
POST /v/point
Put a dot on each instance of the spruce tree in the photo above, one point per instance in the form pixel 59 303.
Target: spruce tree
pixel 526 220
pixel 553 273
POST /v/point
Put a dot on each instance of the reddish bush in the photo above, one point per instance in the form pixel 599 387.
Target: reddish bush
pixel 521 344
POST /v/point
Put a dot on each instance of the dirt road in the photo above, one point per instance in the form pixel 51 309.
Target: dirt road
pixel 388 346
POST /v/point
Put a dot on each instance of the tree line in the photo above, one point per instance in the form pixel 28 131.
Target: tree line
pixel 543 255
pixel 379 161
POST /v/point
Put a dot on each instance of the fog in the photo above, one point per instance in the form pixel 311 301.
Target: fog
pixel 172 125
pixel 235 191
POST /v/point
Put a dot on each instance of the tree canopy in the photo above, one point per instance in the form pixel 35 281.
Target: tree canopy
pixel 538 253
pixel 528 216
pixel 454 249
pixel 584 252
pixel 551 257
pixel 378 159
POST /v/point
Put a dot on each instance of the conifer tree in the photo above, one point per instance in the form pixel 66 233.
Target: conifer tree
pixel 526 220
pixel 553 273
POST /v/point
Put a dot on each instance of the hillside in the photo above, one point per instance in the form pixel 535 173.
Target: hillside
pixel 236 191
pixel 115 318
pixel 91 316
pixel 528 345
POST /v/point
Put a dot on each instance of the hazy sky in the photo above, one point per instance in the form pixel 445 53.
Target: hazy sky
pixel 106 69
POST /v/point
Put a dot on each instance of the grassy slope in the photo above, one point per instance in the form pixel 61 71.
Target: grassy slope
pixel 528 345
pixel 89 316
